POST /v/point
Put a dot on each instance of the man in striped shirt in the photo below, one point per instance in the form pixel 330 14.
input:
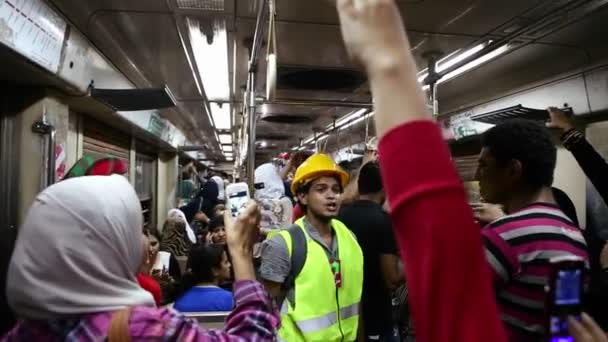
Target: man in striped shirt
pixel 515 170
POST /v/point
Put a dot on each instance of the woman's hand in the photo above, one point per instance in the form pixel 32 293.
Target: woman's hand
pixel 373 33
pixel 586 330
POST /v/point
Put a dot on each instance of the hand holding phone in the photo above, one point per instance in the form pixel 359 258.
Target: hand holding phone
pixel 237 197
pixel 565 296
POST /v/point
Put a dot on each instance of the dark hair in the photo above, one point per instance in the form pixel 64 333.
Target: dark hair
pixel 216 223
pixel 201 262
pixel 370 180
pixel 528 142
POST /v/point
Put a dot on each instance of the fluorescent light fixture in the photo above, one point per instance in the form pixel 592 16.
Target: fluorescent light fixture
pixel 225 139
pixel 475 63
pixel 211 59
pixel 356 114
pixel 221 115
pixel 227 148
pixel 457 57
pixel 354 122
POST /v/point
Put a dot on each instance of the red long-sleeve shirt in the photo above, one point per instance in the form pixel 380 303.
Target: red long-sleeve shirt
pixel 448 276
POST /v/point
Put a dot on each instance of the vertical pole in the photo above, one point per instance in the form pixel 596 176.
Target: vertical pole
pixel 251 113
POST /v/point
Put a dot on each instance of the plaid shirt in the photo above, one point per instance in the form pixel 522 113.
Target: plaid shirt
pixel 251 320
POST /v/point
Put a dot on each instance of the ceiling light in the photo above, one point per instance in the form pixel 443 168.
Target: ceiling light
pixel 354 122
pixel 221 115
pixel 475 63
pixel 354 115
pixel 211 59
pixel 264 144
pixel 227 148
pixel 455 58
pixel 225 139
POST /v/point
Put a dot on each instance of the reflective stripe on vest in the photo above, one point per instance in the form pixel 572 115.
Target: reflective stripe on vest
pixel 324 322
pixel 315 317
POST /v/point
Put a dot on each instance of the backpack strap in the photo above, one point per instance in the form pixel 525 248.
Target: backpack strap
pixel 299 249
pixel 119 326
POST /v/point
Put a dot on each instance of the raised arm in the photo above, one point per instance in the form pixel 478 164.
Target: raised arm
pixel 438 239
pixel 593 165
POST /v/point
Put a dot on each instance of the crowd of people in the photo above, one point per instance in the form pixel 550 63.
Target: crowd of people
pixel 319 255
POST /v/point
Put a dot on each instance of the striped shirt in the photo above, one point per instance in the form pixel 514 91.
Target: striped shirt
pixel 518 248
pixel 252 320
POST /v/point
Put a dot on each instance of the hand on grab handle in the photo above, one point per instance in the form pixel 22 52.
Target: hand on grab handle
pixel 586 330
pixel 373 33
pixel 559 119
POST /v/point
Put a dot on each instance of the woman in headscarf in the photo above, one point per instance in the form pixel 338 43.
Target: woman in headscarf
pixel 72 274
pixel 175 237
pixel 276 208
pixel 178 215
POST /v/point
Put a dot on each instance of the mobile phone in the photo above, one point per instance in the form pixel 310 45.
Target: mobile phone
pixel 237 197
pixel 565 296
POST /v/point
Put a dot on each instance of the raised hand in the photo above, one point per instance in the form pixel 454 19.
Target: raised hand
pixel 241 234
pixel 373 32
pixel 559 119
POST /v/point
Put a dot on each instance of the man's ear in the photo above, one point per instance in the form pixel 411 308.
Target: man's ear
pixel 515 169
pixel 303 198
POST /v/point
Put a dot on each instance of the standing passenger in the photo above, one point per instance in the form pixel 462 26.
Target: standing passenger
pixel 515 170
pixel 374 232
pixel 315 269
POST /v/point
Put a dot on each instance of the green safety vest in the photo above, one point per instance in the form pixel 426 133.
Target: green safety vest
pixel 324 312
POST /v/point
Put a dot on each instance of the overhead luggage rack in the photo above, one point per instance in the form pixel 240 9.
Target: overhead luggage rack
pixel 134 99
pixel 514 112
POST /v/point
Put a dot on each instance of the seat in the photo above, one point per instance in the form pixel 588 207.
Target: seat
pixel 209 320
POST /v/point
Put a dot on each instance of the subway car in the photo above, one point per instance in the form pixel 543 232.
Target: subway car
pixel 183 90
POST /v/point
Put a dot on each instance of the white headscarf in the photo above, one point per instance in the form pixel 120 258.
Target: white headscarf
pixel 273 188
pixel 177 214
pixel 220 186
pixel 78 250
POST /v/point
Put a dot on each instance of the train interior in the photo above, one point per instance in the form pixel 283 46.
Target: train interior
pixel 227 85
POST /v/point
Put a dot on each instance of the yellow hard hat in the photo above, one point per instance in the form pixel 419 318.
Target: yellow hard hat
pixel 317 165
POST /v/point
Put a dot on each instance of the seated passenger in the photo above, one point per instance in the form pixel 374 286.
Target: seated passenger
pixel 162 262
pixel 175 239
pixel 209 267
pixel 176 214
pixel 217 231
pixel 82 293
pixel 144 277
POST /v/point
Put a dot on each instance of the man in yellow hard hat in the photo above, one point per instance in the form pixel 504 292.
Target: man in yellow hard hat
pixel 314 270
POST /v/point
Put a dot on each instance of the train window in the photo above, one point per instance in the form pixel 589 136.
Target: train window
pixel 100 141
pixel 145 185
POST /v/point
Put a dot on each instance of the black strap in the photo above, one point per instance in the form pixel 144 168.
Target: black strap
pixel 299 249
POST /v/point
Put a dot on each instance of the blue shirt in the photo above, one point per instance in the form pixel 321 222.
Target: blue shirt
pixel 205 299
